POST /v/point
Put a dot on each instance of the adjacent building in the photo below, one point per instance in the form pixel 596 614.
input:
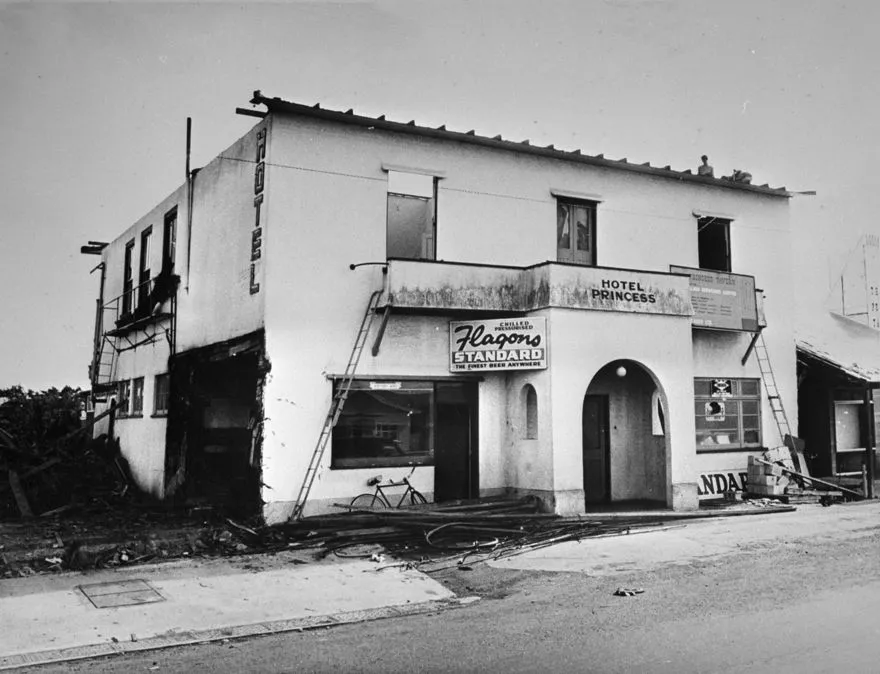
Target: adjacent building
pixel 533 321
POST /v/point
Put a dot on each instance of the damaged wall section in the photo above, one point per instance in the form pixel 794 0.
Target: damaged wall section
pixel 214 448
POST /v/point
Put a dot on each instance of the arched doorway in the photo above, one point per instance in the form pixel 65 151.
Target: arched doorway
pixel 624 436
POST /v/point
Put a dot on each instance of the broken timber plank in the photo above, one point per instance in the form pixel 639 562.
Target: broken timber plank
pixel 814 480
pixel 20 498
pixel 33 471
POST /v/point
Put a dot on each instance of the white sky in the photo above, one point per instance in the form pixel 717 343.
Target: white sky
pixel 94 99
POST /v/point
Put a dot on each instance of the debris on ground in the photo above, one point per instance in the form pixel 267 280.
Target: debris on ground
pixel 49 463
pixel 770 476
pixel 430 537
pixel 628 592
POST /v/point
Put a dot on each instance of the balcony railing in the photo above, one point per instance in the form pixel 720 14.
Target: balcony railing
pixel 139 304
pixel 460 287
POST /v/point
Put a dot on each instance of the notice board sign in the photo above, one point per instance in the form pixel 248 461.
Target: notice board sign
pixel 722 301
pixel 498 344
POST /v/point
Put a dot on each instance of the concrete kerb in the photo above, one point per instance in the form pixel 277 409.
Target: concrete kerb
pixel 229 633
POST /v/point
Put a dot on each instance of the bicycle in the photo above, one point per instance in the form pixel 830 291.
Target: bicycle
pixel 379 499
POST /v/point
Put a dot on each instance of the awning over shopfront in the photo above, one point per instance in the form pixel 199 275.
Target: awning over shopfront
pixel 838 362
pixel 842 344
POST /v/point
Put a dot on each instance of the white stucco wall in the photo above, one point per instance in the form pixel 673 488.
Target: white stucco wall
pixel 327 210
pixel 141 439
pixel 214 301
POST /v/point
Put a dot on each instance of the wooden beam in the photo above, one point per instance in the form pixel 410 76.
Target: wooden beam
pixel 814 480
pixel 20 498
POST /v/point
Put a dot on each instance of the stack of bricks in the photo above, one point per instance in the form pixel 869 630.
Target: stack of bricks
pixel 765 478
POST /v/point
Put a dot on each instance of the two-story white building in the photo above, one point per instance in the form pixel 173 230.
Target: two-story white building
pixel 535 321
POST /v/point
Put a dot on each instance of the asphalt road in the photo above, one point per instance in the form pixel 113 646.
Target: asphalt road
pixel 800 606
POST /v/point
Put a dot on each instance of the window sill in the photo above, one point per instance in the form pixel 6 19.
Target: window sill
pixel 730 448
pixel 159 415
pixel 372 464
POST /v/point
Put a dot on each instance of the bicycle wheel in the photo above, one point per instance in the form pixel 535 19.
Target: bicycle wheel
pixel 416 498
pixel 367 501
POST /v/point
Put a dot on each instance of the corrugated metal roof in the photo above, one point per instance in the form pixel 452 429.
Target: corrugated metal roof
pixel 278 105
pixel 845 344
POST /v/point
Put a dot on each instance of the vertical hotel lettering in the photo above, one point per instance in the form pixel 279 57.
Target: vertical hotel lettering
pixel 257 233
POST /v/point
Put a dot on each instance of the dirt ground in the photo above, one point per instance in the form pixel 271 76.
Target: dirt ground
pixel 123 535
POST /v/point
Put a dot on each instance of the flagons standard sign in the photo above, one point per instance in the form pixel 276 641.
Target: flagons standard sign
pixel 499 344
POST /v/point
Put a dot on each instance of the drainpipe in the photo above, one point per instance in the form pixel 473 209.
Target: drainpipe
pixel 189 199
pixel 870 436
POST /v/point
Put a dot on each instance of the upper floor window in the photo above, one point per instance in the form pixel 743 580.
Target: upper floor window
pixel 169 240
pixel 144 268
pixel 576 231
pixel 412 216
pixel 713 242
pixel 127 279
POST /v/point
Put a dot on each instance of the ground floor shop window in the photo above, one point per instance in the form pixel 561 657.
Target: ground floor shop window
pixel 385 423
pixel 727 413
pixel 400 423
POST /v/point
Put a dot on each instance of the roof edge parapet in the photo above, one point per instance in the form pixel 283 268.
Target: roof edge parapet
pixel 281 106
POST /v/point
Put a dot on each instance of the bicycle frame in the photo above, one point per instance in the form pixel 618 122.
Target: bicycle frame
pixel 410 495
pixel 380 491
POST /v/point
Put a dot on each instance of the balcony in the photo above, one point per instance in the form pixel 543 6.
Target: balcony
pixel 427 286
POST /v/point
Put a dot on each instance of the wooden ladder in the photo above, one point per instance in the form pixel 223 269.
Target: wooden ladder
pixel 340 395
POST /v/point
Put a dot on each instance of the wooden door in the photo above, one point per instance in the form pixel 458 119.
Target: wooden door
pixel 455 443
pixel 597 473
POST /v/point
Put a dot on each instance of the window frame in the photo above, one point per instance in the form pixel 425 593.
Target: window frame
pixel 703 223
pixel 169 240
pixel 137 397
pixel 123 398
pixel 144 268
pixel 572 252
pixel 128 279
pixel 431 239
pixel 376 460
pixel 530 412
pixel 736 397
pixel 438 396
pixel 161 392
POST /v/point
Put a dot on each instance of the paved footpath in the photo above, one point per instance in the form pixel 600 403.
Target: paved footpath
pixel 703 539
pixel 76 615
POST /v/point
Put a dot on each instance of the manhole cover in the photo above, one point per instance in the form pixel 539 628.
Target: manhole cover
pixel 120 593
